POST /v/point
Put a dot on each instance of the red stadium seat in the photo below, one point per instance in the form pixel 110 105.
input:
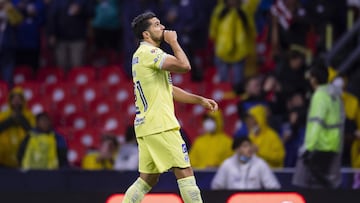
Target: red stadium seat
pixel 113 123
pixel 218 91
pixel 76 151
pixel 230 115
pixel 22 74
pixel 198 110
pixel 40 105
pixel 89 138
pixel 3 105
pixel 191 124
pixel 193 87
pixel 112 75
pixel 50 75
pixel 59 91
pixel 121 93
pixel 82 76
pixel 4 91
pixel 211 76
pixel 128 108
pixel 66 132
pixel 91 92
pixel 103 106
pixel 69 106
pixel 78 121
pixel 32 90
pixel 180 79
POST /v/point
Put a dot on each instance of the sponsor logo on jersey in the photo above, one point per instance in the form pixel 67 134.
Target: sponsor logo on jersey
pixel 139 121
pixel 169 78
pixel 184 149
pixel 135 60
pixel 186 157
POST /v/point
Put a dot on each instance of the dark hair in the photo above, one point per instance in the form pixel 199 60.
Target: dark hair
pixel 140 23
pixel 320 72
pixel 238 141
pixel 111 138
pixel 294 54
pixel 42 115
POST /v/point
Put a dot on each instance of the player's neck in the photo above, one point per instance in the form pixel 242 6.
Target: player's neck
pixel 152 42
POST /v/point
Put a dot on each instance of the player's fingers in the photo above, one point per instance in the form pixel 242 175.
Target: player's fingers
pixel 214 105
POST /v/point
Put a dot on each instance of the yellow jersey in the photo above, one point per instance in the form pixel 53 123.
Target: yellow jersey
pixel 153 92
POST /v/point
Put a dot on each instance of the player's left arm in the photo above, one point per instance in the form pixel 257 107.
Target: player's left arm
pixel 182 96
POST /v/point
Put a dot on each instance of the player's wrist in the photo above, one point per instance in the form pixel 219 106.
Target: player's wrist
pixel 202 101
pixel 173 43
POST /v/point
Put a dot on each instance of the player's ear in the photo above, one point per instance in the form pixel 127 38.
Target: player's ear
pixel 146 34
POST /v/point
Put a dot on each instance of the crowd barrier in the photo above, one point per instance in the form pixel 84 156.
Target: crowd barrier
pixel 76 186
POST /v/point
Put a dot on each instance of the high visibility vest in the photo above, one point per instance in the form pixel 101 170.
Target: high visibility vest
pixel 40 152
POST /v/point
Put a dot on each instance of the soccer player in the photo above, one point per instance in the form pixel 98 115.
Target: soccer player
pixel 161 147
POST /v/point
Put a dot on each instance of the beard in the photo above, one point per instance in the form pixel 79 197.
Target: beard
pixel 157 39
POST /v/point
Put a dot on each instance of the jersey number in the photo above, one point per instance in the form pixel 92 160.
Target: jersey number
pixel 141 94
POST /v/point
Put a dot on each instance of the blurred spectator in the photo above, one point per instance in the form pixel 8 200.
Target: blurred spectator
pixel 252 96
pixel 107 29
pixel 43 148
pixel 234 45
pixel 14 124
pixel 29 31
pixel 244 170
pixel 9 19
pixel 188 19
pixel 352 111
pixel 293 130
pixel 210 149
pixel 319 165
pixel 104 157
pixel 68 29
pixel 276 100
pixel 356 184
pixel 261 135
pixel 355 152
pixel 291 72
pixel 127 157
pixel 288 25
pixel 355 159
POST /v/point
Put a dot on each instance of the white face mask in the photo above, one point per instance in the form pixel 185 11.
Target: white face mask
pixel 209 125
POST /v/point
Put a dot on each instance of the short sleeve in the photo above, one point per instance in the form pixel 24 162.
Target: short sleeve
pixel 157 57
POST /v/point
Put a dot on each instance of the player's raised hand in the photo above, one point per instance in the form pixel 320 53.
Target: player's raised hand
pixel 170 36
pixel 209 104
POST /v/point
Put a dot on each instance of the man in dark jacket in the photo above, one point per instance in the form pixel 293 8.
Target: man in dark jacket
pixel 28 35
pixel 9 18
pixel 67 28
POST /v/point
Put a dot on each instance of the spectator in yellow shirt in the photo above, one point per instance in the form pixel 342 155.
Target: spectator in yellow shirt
pixel 15 122
pixel 103 159
pixel 210 149
pixel 266 140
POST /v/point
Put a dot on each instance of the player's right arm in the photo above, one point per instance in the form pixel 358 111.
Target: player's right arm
pixel 182 96
pixel 178 63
